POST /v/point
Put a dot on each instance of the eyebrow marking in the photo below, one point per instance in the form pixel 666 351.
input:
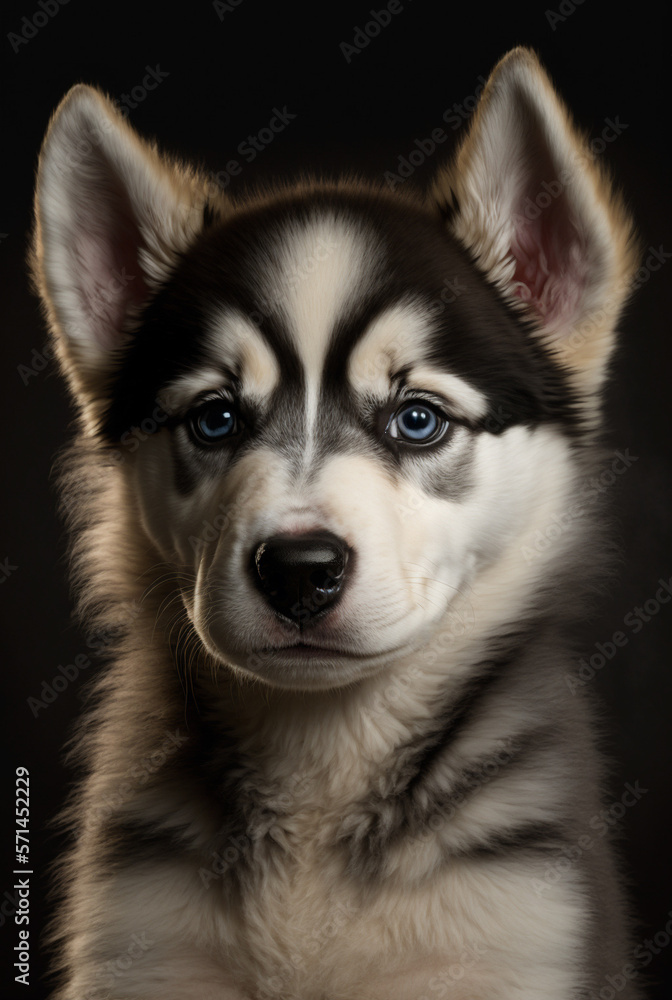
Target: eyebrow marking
pixel 395 341
pixel 234 342
pixel 466 401
pixel 181 391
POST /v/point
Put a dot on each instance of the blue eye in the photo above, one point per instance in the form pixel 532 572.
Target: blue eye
pixel 215 421
pixel 416 423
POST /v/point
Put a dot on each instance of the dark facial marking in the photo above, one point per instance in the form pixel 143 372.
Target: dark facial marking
pixel 476 335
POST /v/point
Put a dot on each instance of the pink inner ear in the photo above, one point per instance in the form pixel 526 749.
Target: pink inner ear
pixel 551 263
pixel 109 278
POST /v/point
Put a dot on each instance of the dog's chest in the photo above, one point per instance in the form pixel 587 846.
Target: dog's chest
pixel 297 912
pixel 308 930
pixel 302 920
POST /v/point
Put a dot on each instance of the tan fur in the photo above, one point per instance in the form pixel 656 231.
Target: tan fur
pixel 320 751
pixel 483 221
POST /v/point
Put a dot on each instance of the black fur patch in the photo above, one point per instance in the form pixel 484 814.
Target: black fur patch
pixel 453 722
pixel 476 335
pixel 134 841
pixel 209 215
pixel 545 838
pixel 431 784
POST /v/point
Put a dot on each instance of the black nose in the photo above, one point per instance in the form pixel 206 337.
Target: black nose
pixel 301 576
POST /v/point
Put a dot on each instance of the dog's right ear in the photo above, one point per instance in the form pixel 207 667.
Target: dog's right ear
pixel 541 219
pixel 111 217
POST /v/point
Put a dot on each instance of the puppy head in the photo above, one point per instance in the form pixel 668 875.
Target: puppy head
pixel 337 414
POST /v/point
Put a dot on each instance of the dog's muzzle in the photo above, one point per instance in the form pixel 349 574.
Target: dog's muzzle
pixel 301 576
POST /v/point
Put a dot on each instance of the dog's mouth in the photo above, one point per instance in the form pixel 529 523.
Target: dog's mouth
pixel 308 666
pixel 306 651
pixel 300 663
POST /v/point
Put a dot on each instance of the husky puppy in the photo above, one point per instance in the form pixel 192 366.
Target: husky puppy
pixel 332 517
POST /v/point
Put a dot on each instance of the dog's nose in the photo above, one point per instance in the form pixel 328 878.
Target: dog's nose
pixel 301 576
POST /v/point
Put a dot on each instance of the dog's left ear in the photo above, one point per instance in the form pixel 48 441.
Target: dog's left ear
pixel 539 217
pixel 112 217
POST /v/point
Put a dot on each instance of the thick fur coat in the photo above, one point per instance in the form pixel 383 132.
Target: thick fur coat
pixel 332 508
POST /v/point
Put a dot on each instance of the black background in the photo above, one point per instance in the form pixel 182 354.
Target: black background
pixel 226 73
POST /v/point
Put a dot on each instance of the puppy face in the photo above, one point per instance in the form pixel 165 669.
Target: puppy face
pixel 352 406
pixel 361 421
